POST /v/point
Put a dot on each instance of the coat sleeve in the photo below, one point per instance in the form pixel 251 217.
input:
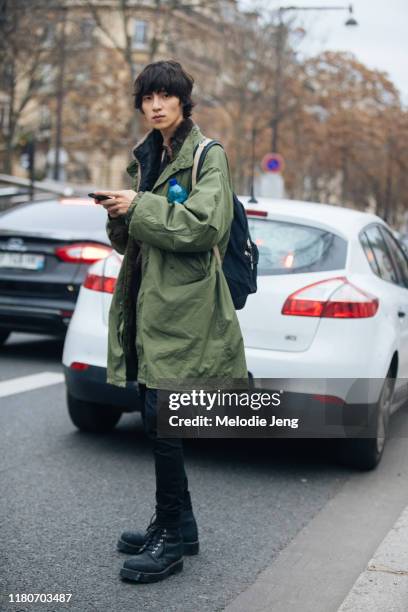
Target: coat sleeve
pixel 196 225
pixel 118 233
pixel 117 229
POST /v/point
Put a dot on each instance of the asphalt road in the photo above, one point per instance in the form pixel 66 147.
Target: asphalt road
pixel 66 496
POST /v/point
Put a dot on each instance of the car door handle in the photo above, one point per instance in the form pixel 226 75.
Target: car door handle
pixel 401 314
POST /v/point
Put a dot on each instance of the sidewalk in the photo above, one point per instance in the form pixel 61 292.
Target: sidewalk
pixel 319 567
pixel 383 585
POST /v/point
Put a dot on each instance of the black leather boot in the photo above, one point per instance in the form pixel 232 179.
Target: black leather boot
pixel 131 542
pixel 160 556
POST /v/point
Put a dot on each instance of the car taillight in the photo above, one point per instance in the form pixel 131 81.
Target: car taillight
pixel 106 284
pixel 328 399
pixel 82 252
pixel 66 313
pixel 78 365
pixel 256 213
pixel 331 298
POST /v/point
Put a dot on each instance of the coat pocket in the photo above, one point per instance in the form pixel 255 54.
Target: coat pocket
pixel 186 268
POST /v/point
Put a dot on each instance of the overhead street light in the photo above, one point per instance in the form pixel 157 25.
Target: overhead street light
pixel 351 22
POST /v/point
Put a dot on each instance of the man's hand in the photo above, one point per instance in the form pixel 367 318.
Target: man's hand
pixel 119 201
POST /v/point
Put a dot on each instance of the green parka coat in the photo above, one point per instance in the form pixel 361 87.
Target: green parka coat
pixel 172 317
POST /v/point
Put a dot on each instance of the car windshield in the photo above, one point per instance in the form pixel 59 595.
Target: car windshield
pixel 291 248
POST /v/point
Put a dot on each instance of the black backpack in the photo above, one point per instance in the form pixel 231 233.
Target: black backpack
pixel 241 257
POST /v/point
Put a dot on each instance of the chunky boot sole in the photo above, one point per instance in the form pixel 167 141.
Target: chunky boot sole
pixel 190 548
pixel 137 576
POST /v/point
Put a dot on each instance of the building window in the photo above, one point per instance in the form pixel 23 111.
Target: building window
pixel 4 115
pixel 47 76
pixel 45 118
pixel 83 114
pixel 8 75
pixel 49 35
pixel 87 27
pixel 83 74
pixel 139 37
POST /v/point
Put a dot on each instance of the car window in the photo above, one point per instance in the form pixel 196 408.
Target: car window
pixel 291 248
pixel 399 256
pixel 369 253
pixel 385 266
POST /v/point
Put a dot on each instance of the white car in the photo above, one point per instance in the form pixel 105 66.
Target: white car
pixel 331 309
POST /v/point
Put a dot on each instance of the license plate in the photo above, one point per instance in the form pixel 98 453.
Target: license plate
pixel 24 261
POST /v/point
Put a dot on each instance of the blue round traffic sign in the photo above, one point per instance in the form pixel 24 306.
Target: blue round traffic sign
pixel 273 163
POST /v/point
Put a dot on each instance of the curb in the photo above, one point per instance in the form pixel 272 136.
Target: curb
pixel 383 585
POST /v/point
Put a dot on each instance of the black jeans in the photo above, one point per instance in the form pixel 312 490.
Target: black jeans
pixel 172 495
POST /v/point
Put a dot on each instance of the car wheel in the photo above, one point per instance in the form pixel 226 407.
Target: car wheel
pixel 366 453
pixel 92 417
pixel 4 334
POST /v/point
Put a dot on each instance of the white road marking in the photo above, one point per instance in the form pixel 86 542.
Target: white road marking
pixel 28 383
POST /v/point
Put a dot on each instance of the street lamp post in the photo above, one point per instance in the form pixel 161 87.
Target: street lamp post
pixel 60 99
pixel 280 45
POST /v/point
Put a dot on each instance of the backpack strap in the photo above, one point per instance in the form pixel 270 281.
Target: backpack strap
pixel 197 158
pixel 217 254
pixel 199 154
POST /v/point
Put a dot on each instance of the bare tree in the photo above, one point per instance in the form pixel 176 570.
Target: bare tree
pixel 23 32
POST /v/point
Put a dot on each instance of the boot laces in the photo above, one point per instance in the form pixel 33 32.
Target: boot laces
pixel 155 538
pixel 152 523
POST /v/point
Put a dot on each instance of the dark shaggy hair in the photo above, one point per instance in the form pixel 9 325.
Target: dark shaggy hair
pixel 167 76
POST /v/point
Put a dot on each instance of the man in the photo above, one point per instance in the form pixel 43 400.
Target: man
pixel 172 316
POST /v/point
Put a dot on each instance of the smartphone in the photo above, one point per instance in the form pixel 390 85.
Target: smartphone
pixel 100 197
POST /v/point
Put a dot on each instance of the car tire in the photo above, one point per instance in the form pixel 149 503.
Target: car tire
pixel 4 334
pixel 92 417
pixel 365 453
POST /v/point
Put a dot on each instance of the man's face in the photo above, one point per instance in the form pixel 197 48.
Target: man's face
pixel 162 110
